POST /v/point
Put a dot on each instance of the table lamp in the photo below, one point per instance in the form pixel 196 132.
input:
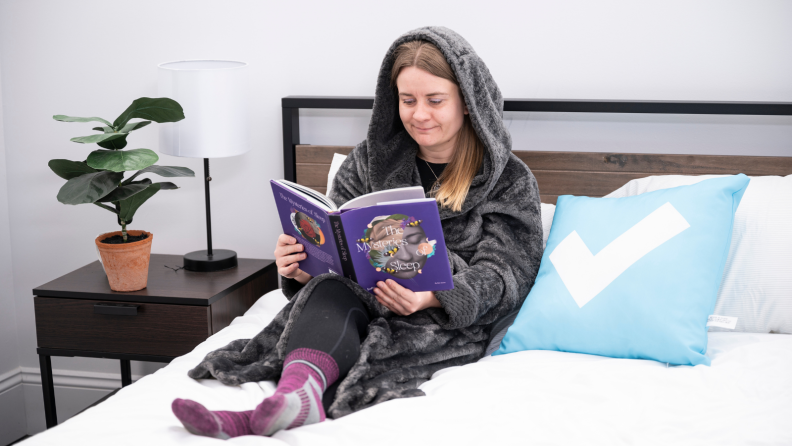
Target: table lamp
pixel 213 94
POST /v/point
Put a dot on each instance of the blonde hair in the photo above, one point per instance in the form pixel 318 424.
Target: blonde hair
pixel 469 153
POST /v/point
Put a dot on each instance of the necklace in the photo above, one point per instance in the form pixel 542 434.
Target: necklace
pixel 436 185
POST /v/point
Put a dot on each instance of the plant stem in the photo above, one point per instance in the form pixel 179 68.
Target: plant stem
pixel 123 230
pixel 106 207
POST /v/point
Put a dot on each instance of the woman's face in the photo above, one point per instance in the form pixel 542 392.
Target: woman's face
pixel 432 110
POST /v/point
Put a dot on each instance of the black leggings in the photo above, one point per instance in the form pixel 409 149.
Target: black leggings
pixel 333 321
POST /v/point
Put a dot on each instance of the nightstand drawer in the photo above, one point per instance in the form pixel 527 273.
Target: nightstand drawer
pixel 102 326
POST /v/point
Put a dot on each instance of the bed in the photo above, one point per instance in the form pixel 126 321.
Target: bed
pixel 541 397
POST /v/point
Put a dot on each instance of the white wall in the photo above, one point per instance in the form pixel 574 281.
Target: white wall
pixel 12 420
pixel 91 58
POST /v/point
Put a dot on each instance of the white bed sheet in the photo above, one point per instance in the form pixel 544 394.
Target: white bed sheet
pixel 534 397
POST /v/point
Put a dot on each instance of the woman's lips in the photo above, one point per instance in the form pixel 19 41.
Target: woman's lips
pixel 421 129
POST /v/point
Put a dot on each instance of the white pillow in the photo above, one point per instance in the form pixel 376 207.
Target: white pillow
pixel 334 165
pixel 757 282
pixel 547 209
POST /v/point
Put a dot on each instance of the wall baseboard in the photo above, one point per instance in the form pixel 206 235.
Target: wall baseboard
pixel 75 378
pixel 11 378
pixel 75 390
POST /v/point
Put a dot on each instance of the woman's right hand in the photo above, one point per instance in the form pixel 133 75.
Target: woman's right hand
pixel 287 253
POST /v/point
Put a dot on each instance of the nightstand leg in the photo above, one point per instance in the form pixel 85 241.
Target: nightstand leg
pixel 126 373
pixel 48 390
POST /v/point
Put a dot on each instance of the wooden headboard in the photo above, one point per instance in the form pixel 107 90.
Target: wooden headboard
pixel 593 174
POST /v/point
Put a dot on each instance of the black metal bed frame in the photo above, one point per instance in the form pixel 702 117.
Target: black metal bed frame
pixel 291 106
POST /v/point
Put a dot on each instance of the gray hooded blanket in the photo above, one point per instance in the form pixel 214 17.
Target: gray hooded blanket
pixel 494 246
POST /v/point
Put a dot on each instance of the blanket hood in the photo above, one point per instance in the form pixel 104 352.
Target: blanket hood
pixel 388 144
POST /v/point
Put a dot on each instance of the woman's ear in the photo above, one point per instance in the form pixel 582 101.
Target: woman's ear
pixel 466 110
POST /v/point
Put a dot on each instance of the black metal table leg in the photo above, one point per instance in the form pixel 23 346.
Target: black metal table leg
pixel 48 390
pixel 126 373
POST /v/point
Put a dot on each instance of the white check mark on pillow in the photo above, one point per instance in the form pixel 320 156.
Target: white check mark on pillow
pixel 586 275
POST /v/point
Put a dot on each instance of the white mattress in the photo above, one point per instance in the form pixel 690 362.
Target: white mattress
pixel 534 397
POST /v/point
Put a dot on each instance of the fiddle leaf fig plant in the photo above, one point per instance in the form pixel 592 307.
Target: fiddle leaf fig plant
pixel 99 179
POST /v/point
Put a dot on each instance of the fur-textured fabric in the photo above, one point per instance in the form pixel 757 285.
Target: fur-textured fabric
pixel 494 245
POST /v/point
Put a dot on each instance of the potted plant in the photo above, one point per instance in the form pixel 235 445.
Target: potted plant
pixel 100 180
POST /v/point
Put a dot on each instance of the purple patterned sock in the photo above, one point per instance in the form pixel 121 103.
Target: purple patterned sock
pixel 217 424
pixel 298 399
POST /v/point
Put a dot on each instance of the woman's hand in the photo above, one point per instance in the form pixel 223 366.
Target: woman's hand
pixel 402 301
pixel 287 253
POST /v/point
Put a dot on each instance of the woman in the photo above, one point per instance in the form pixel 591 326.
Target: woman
pixel 437 121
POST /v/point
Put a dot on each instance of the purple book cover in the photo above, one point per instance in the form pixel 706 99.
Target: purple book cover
pixel 310 225
pixel 402 241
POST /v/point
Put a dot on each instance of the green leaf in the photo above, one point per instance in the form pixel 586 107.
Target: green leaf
pixel 134 126
pixel 70 169
pixel 122 160
pixel 128 207
pixel 164 171
pixel 154 109
pixel 65 118
pixel 115 143
pixel 167 185
pixel 104 128
pixel 89 187
pixel 375 256
pixel 98 138
pixel 124 192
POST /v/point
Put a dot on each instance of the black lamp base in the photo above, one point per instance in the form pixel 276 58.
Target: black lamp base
pixel 202 262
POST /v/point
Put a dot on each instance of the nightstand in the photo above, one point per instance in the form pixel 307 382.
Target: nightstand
pixel 79 315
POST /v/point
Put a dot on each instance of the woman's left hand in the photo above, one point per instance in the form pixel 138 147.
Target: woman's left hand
pixel 402 301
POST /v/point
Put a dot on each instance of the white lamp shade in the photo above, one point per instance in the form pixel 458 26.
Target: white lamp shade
pixel 213 94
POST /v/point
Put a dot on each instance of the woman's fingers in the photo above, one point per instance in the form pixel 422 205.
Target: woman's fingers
pixel 390 294
pixel 282 249
pixel 388 302
pixel 407 299
pixel 289 271
pixel 287 255
pixel 288 266
pixel 285 239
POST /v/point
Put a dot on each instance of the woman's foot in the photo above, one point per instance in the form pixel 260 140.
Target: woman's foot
pixel 299 407
pixel 298 399
pixel 218 424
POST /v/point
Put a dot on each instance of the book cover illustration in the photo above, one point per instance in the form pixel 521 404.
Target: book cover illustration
pixel 403 242
pixel 397 245
pixel 307 227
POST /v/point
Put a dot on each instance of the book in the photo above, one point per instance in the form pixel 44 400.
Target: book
pixel 391 234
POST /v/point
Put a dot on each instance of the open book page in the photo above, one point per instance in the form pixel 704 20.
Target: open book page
pixel 402 193
pixel 310 194
pixel 414 200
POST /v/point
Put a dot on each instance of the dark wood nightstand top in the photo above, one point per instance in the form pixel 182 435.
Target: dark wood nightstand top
pixel 165 285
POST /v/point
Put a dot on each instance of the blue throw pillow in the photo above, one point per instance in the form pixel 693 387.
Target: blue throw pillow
pixel 632 277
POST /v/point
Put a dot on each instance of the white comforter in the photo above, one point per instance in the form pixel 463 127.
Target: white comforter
pixel 534 397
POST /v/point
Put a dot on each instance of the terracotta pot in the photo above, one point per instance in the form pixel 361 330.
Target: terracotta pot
pixel 126 264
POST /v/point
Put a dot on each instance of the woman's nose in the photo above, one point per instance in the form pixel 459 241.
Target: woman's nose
pixel 421 112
